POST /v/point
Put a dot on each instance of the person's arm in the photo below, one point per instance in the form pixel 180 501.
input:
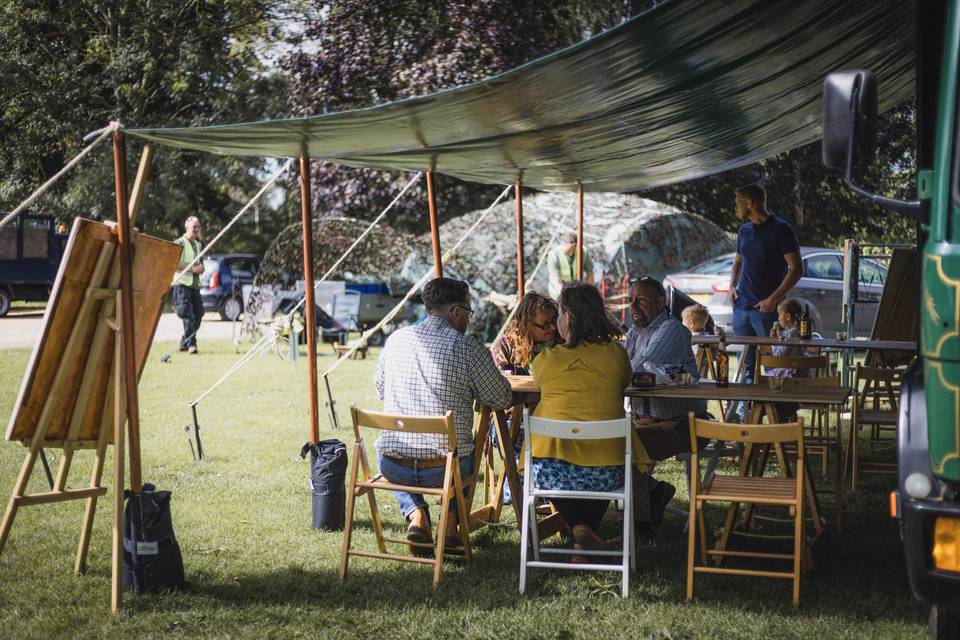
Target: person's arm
pixel 490 387
pixel 790 278
pixel 734 279
pixel 500 350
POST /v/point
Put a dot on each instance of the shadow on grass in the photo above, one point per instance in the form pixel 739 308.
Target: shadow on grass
pixel 859 574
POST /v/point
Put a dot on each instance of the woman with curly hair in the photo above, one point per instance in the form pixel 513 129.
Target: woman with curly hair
pixel 533 328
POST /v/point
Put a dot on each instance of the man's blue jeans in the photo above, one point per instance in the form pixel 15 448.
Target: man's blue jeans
pixel 750 322
pixel 415 476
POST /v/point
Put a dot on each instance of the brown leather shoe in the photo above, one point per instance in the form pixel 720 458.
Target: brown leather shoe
pixel 419 535
pixel 588 539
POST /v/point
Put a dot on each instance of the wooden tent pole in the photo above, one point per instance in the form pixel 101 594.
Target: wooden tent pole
pixel 434 226
pixel 518 198
pixel 126 311
pixel 311 309
pixel 579 232
pixel 140 182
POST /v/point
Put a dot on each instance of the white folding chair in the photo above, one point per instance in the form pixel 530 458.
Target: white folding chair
pixel 573 430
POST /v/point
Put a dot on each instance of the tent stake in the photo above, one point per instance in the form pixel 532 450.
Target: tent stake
pixel 434 226
pixel 311 309
pixel 518 198
pixel 579 232
pixel 126 310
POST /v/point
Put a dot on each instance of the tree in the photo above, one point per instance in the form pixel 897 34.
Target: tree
pixel 812 197
pixel 358 53
pixel 71 67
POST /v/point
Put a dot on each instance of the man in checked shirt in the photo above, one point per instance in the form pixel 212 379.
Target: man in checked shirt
pixel 429 369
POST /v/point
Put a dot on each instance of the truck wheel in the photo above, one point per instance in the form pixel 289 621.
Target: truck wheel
pixel 231 309
pixel 944 623
pixel 4 302
pixel 376 339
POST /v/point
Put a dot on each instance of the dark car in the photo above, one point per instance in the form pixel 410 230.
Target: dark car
pixel 30 254
pixel 222 280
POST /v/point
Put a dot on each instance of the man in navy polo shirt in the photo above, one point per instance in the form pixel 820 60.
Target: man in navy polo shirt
pixel 766 267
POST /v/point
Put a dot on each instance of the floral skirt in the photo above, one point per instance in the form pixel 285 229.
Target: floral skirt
pixel 551 473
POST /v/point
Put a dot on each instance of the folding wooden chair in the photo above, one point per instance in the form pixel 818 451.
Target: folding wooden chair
pixel 573 430
pixel 741 489
pixel 451 489
pixel 874 404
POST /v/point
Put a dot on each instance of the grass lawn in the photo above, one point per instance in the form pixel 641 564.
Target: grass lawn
pixel 257 570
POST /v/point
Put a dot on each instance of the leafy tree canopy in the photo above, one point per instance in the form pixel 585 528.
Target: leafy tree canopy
pixel 70 67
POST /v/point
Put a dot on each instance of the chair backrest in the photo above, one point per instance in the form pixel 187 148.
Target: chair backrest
pixel 826 381
pixel 579 430
pixel 820 363
pixel 875 382
pixel 791 432
pixel 440 425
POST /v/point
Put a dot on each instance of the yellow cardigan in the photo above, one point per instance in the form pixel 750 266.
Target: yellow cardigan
pixel 584 383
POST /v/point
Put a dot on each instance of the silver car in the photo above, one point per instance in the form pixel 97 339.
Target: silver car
pixel 821 288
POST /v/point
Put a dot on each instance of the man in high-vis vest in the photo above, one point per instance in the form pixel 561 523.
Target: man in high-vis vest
pixel 186 290
pixel 562 265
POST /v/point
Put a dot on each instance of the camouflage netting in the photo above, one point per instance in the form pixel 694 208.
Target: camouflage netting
pixel 623 234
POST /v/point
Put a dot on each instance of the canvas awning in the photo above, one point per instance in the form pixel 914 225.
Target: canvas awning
pixel 687 89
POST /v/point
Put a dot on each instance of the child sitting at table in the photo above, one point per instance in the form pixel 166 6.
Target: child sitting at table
pixel 695 318
pixel 788 317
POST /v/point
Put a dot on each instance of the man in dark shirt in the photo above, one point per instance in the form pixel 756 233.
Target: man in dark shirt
pixel 766 267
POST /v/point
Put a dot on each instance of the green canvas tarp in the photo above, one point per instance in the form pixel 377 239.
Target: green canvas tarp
pixel 687 89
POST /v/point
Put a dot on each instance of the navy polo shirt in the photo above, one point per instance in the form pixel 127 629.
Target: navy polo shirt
pixel 762 247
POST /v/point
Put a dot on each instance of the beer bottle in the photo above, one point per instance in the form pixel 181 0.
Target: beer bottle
pixel 723 361
pixel 805 331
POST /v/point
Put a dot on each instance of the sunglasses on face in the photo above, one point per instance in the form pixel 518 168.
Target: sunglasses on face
pixel 546 325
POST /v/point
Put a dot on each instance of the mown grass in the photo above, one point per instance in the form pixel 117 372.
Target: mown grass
pixel 257 570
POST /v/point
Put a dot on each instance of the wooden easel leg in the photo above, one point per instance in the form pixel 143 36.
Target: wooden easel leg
pixel 119 433
pixel 18 490
pixel 96 475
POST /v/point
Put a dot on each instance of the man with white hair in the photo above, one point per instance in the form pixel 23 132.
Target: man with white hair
pixel 186 290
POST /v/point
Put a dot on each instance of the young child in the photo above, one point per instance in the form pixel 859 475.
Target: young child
pixel 788 315
pixel 695 318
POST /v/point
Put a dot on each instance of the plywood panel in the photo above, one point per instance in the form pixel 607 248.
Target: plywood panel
pixel 155 262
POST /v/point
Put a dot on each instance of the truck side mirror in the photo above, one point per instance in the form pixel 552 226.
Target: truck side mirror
pixel 849 111
pixel 850 131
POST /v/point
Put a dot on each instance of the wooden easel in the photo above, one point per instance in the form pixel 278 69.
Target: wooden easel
pixel 83 373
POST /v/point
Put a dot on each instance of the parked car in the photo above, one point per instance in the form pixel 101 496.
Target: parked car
pixel 222 279
pixel 820 288
pixel 30 254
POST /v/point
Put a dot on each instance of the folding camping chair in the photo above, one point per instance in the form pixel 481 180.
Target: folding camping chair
pixel 573 430
pixel 451 489
pixel 751 490
pixel 875 404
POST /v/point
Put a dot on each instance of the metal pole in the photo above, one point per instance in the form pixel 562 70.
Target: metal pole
pixel 434 226
pixel 311 309
pixel 126 310
pixel 518 198
pixel 579 232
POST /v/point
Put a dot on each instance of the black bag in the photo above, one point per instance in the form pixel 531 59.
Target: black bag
pixel 328 469
pixel 151 556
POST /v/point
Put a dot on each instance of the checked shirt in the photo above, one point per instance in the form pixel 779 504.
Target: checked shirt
pixel 429 369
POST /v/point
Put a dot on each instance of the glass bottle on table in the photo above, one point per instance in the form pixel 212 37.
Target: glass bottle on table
pixel 723 361
pixel 804 329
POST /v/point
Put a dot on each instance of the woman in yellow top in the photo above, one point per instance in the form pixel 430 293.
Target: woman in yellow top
pixel 582 379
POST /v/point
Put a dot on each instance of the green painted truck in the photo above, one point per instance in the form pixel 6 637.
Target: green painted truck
pixel 927 498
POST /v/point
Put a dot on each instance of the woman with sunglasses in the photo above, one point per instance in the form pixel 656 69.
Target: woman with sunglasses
pixel 582 379
pixel 533 328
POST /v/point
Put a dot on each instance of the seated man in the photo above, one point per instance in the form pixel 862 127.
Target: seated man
pixel 662 424
pixel 429 369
